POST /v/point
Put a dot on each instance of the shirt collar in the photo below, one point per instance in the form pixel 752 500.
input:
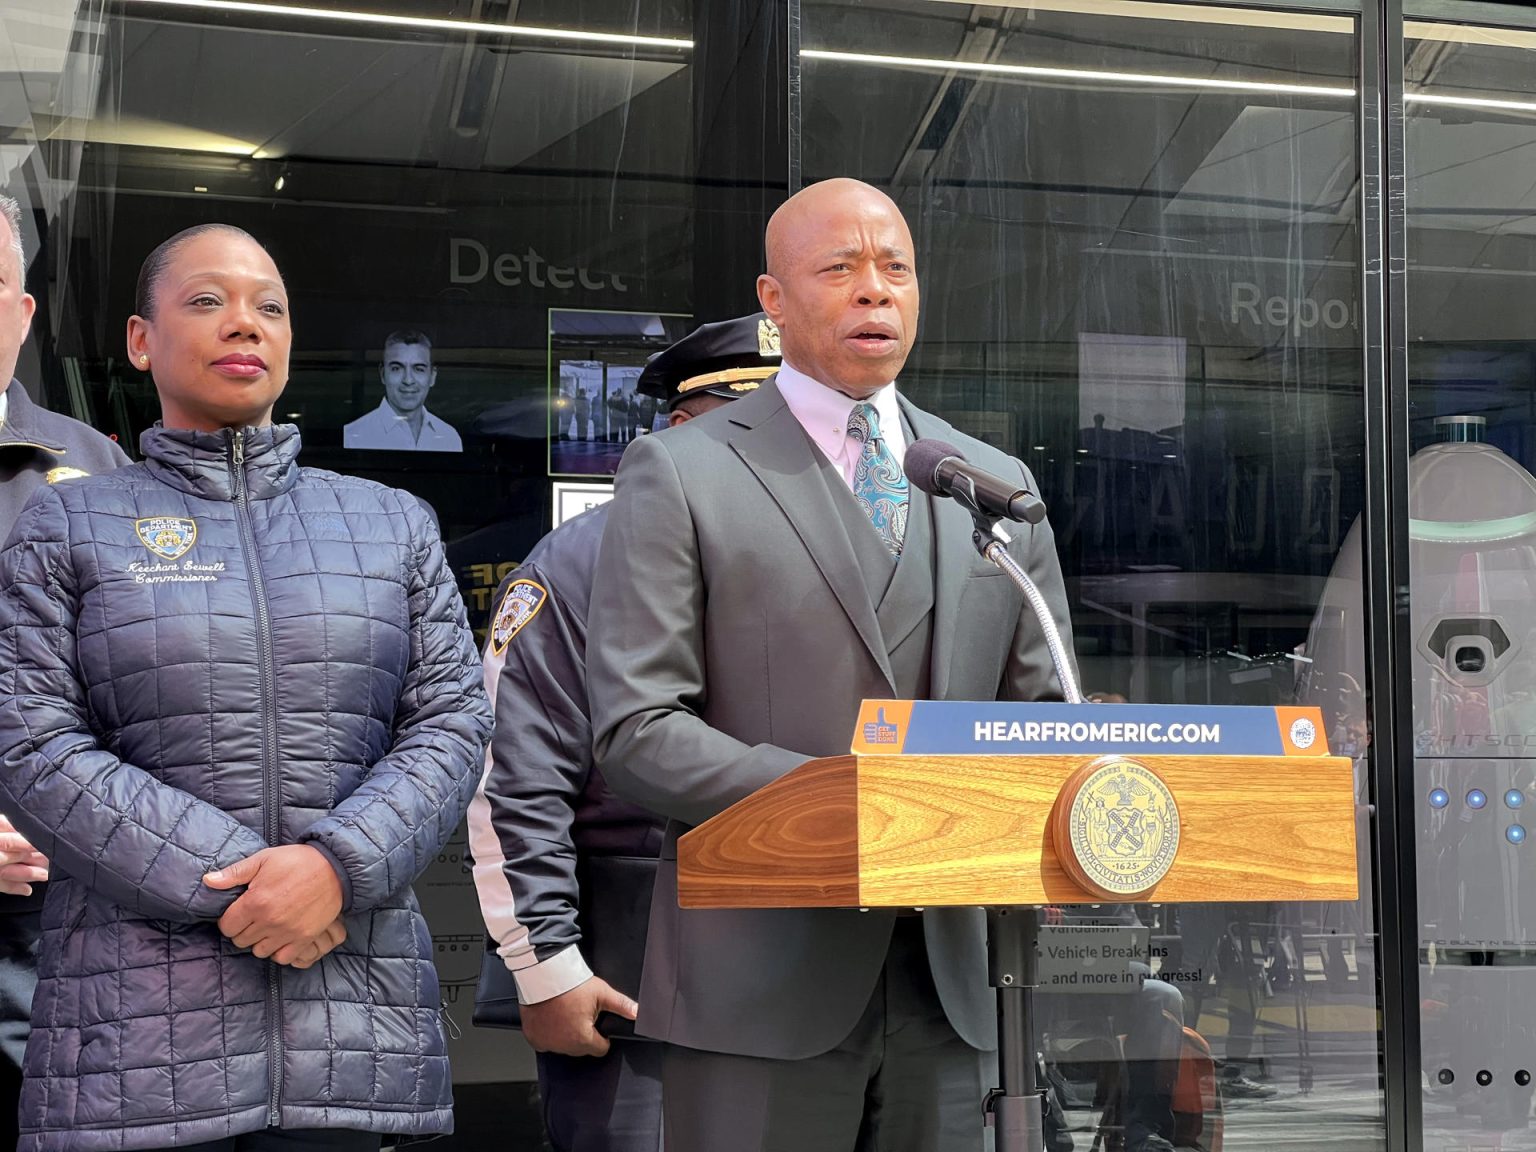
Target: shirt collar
pixel 823 412
pixel 427 419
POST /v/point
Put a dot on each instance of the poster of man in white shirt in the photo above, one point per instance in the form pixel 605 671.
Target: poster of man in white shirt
pixel 401 422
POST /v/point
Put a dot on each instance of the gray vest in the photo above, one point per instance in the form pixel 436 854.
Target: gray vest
pixel 901 589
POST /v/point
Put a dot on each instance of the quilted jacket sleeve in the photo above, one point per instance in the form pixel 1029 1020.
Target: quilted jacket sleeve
pixel 385 834
pixel 108 824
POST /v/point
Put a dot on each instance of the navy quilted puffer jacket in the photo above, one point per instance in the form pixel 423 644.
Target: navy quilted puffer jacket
pixel 201 655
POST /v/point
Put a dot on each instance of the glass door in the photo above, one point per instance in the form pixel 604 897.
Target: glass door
pixel 1138 233
pixel 1470 136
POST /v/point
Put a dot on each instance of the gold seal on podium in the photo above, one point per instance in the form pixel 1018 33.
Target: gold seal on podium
pixel 1116 828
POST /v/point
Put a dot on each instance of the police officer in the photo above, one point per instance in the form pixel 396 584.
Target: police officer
pixel 563 868
pixel 37 447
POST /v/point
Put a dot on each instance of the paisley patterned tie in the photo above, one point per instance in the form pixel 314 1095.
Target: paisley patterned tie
pixel 878 481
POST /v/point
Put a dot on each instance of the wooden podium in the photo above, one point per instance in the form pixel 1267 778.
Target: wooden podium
pixel 1013 806
pixel 874 829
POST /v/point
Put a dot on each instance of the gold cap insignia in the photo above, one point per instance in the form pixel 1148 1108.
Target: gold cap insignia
pixel 738 379
pixel 1116 828
pixel 767 338
pixel 55 475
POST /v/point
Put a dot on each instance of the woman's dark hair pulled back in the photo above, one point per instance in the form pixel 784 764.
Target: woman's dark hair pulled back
pixel 153 269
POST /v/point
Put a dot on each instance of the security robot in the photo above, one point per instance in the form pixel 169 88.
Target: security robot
pixel 1472 563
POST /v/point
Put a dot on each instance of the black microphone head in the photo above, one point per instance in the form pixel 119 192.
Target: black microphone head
pixel 923 459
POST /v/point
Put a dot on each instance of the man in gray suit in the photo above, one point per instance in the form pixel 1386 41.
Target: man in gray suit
pixel 765 568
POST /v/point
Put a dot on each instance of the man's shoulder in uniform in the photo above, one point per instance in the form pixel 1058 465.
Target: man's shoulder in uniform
pixel 561 564
pixel 572 547
pixel 85 449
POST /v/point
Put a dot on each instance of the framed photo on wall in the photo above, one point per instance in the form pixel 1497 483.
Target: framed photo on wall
pixel 595 361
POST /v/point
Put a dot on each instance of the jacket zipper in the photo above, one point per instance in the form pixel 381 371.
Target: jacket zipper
pixel 270 800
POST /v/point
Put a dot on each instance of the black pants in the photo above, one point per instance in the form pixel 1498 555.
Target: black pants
pixel 606 1103
pixel 291 1140
pixel 901 1081
pixel 19 931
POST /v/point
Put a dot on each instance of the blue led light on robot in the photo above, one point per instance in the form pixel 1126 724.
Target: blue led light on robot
pixel 1515 834
pixel 1514 798
pixel 1439 798
pixel 1477 798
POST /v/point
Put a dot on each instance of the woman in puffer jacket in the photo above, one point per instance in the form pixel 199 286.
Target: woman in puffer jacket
pixel 240 711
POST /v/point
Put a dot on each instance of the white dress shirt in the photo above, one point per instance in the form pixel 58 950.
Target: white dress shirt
pixel 384 428
pixel 823 412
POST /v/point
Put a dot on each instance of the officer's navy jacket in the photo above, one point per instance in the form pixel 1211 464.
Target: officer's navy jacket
pixel 37 448
pixel 564 868
pixel 201 655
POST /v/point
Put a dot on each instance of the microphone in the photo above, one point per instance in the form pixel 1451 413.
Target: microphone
pixel 941 469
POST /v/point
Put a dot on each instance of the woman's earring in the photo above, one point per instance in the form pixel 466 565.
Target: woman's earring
pixel 143 361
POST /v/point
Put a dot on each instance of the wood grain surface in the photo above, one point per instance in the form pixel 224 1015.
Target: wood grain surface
pixel 793 844
pixel 901 831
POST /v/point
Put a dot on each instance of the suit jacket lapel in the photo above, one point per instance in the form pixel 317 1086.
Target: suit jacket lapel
pixel 953 550
pixel 772 444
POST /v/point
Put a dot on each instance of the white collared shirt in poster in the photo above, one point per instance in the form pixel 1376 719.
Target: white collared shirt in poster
pixel 385 429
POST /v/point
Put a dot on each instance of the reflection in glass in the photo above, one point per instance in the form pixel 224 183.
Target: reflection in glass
pixel 1137 238
pixel 443 179
pixel 1471 144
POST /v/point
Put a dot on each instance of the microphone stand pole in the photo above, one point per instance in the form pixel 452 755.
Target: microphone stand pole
pixel 991 540
pixel 1016 1110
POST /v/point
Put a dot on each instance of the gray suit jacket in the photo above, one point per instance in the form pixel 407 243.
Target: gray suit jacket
pixel 730 639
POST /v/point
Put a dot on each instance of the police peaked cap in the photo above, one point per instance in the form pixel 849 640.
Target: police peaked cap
pixel 729 358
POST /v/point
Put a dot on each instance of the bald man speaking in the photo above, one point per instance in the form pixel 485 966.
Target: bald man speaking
pixel 765 568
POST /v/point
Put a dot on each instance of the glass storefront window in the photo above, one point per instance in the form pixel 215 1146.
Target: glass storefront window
pixel 462 197
pixel 1470 100
pixel 1139 229
pixel 1138 240
pixel 448 188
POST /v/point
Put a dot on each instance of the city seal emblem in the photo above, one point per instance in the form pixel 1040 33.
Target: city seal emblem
pixel 168 537
pixel 1303 733
pixel 1116 828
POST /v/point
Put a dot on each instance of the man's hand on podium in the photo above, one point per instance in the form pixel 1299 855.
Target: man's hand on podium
pixel 1105 698
pixel 567 1023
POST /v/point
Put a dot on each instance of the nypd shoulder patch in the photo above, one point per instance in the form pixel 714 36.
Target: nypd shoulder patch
pixel 520 605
